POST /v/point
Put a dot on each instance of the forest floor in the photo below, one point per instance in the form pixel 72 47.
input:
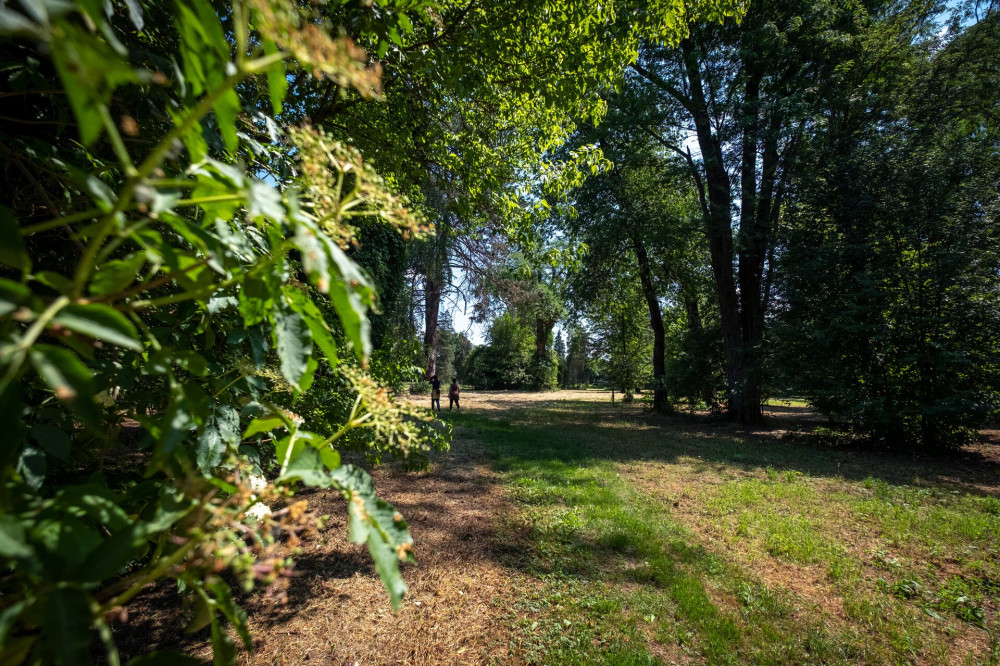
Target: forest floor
pixel 563 529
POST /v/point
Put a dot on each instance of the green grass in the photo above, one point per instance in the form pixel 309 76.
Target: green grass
pixel 626 578
pixel 786 402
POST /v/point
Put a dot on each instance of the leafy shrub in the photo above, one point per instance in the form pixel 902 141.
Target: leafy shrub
pixel 164 316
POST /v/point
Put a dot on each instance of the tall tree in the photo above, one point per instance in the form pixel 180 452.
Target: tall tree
pixel 742 93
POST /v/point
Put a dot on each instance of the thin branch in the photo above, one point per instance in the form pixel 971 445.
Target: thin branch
pixel 661 83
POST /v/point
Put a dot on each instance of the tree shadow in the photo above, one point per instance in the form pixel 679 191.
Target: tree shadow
pixel 582 432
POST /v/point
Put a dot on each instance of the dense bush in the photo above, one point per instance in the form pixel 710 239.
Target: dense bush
pixel 890 295
pixel 178 313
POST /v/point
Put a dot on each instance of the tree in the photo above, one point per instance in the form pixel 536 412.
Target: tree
pixel 747 91
pixel 453 351
pixel 578 359
pixel 533 292
pixel 620 334
pixel 889 282
pixel 476 100
pixel 641 210
pixel 559 347
pixel 503 362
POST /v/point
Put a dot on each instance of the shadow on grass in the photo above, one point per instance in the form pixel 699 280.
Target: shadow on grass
pixel 579 432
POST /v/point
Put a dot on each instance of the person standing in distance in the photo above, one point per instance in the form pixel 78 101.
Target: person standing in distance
pixel 435 393
pixel 453 394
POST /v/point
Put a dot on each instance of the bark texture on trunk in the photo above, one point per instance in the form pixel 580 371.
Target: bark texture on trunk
pixel 661 401
pixel 543 329
pixel 743 390
pixel 432 307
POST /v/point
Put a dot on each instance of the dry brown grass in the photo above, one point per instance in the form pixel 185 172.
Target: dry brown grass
pixel 337 611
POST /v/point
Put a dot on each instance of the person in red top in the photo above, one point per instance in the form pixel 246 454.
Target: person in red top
pixel 453 394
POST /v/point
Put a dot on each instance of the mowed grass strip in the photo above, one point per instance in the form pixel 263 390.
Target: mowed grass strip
pixel 660 542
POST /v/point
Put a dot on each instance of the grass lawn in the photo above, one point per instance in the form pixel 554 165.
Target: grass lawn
pixel 669 540
pixel 571 531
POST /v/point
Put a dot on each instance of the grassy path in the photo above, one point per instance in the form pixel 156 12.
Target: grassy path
pixel 667 542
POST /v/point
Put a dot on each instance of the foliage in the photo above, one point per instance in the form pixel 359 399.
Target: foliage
pixel 695 359
pixel 579 360
pixel 543 371
pixel 621 337
pixel 453 352
pixel 890 276
pixel 155 278
pixel 503 362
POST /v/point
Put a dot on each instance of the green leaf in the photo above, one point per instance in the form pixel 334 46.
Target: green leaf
pixel 12 416
pixel 97 503
pixel 263 424
pixel 202 614
pixel 321 335
pixel 351 296
pixel 54 280
pixel 68 377
pixel 67 626
pixel 255 301
pixel 101 322
pixel 223 648
pixel 8 617
pixel 188 407
pixel 135 14
pixel 113 555
pixel 54 440
pixel 14 23
pixel 306 466
pixel 377 526
pixel 258 345
pixel 264 201
pixel 227 108
pixel 32 467
pixel 189 361
pixel 115 275
pixel 329 455
pixel 219 434
pixel 236 615
pixel 12 251
pixel 293 343
pixel 12 543
pixel 89 70
pixel 12 296
pixel 387 565
pixel 277 83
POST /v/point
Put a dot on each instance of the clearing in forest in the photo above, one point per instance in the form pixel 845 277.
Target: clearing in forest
pixel 562 529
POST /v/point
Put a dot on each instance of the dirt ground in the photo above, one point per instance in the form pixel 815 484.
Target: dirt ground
pixel 336 611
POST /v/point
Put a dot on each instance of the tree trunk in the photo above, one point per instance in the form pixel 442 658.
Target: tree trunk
pixel 543 328
pixel 741 393
pixel 661 401
pixel 432 306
